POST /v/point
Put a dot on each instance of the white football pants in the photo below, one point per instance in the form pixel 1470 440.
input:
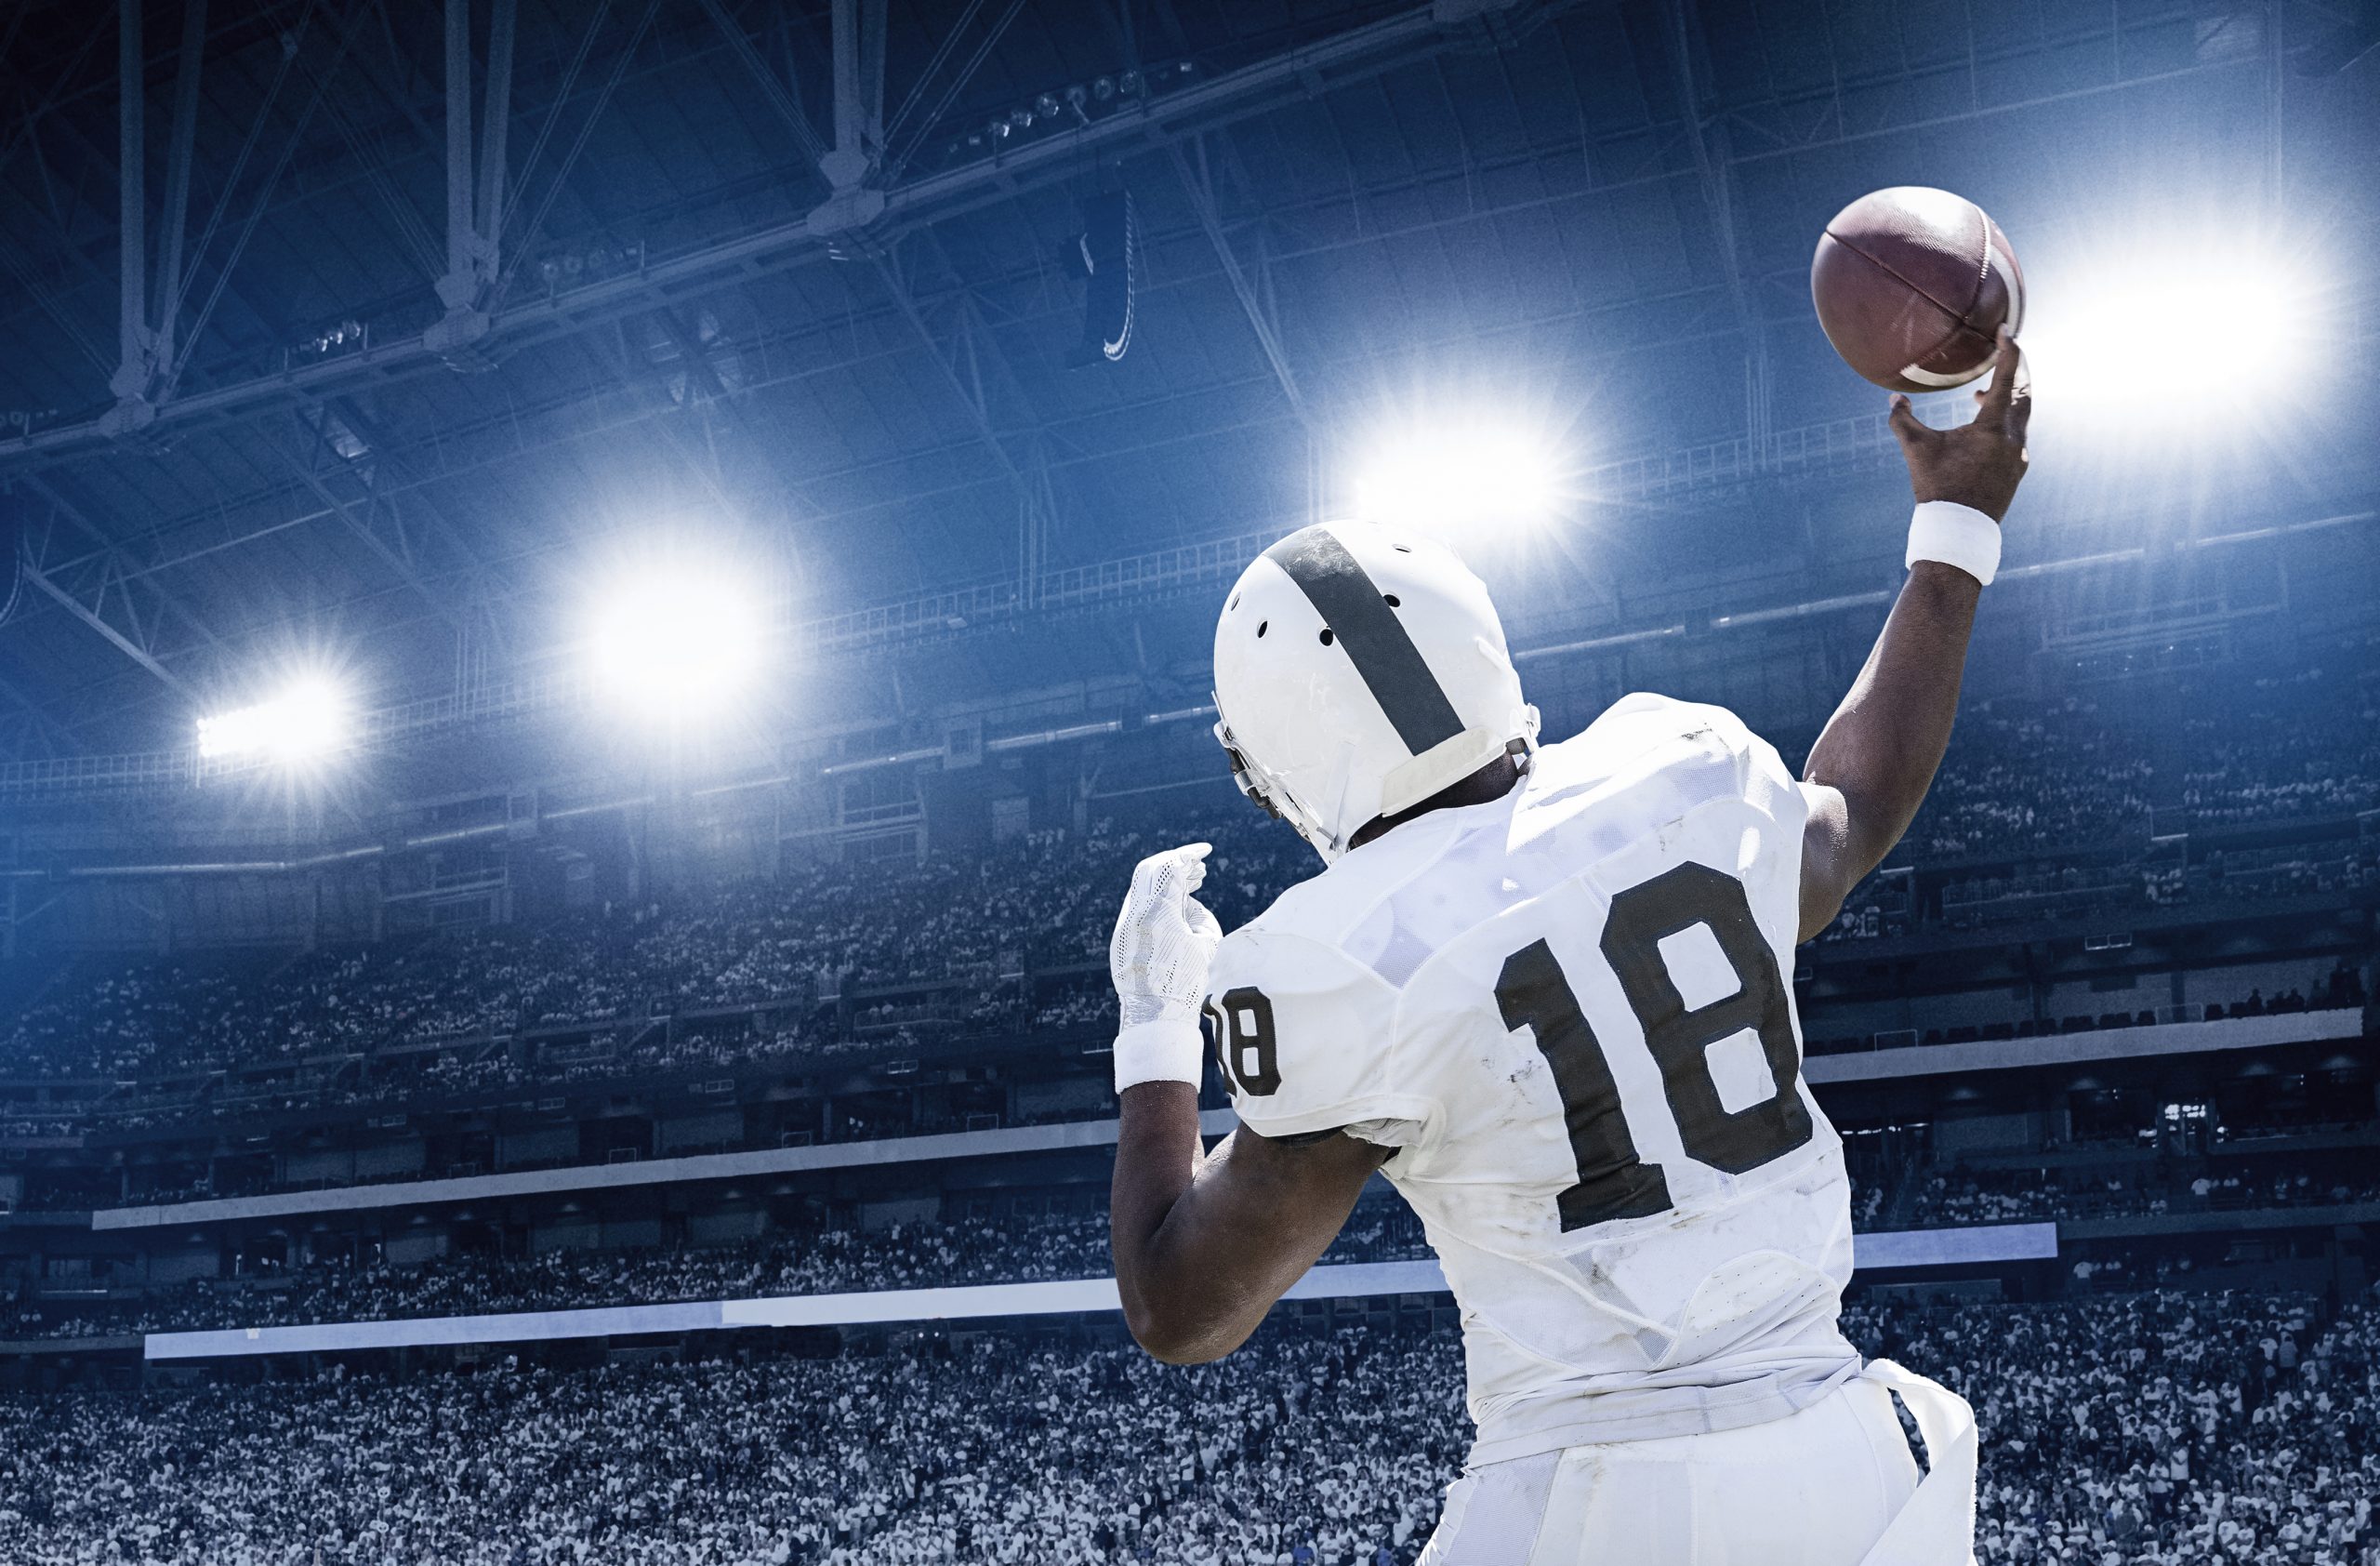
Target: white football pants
pixel 1834 1485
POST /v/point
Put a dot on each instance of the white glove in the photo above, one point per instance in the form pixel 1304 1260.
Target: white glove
pixel 1164 941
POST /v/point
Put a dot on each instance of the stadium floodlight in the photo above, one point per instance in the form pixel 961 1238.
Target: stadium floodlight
pixel 310 719
pixel 1455 480
pixel 2177 330
pixel 675 642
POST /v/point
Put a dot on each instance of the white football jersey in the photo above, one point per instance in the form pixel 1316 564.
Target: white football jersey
pixel 1571 1012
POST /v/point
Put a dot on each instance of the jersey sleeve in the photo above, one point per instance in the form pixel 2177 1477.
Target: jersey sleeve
pixel 1635 741
pixel 1769 785
pixel 1306 1038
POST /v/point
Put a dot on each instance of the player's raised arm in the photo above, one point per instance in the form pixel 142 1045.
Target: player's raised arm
pixel 1204 1243
pixel 1878 754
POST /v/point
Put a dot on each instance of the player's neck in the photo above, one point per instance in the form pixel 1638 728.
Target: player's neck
pixel 1490 782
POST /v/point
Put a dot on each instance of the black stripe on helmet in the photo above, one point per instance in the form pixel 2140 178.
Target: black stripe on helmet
pixel 1375 640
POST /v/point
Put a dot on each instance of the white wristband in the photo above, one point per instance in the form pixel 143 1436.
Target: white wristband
pixel 1169 1050
pixel 1950 533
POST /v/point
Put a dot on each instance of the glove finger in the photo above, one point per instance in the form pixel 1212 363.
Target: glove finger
pixel 1158 875
pixel 1202 922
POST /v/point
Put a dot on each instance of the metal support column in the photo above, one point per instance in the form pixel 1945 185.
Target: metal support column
pixel 1255 302
pixel 1711 165
pixel 180 153
pixel 459 231
pixel 135 345
pixel 90 614
pixel 469 251
pixel 859 118
pixel 132 201
pixel 494 121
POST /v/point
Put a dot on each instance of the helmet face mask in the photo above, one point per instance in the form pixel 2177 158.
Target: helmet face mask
pixel 1358 672
pixel 1239 772
pixel 1269 797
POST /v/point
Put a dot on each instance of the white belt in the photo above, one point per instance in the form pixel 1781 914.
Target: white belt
pixel 1937 1525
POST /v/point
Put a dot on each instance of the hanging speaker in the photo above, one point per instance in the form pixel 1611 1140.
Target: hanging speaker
pixel 1108 256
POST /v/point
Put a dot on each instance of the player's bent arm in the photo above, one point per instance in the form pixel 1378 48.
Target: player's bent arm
pixel 1206 1242
pixel 1878 754
pixel 1870 768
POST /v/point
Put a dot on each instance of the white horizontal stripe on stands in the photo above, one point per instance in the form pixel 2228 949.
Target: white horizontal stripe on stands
pixel 1920 1060
pixel 516 1326
pixel 2112 1043
pixel 976 1302
pixel 2093 1043
pixel 1004 1142
pixel 1956 1247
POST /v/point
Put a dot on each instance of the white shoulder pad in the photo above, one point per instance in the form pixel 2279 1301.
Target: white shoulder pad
pixel 1641 725
pixel 1307 1038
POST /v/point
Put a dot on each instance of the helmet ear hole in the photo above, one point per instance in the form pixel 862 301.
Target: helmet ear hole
pixel 1392 600
pixel 1262 626
pixel 1325 636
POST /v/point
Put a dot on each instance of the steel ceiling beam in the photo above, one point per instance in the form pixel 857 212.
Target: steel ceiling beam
pixel 397 557
pixel 1367 229
pixel 180 153
pixel 166 292
pixel 634 367
pixel 962 364
pixel 696 356
pixel 23 134
pixel 449 461
pixel 91 270
pixel 108 573
pixel 33 719
pixel 1256 303
pixel 1111 584
pixel 229 267
pixel 1356 54
pixel 858 39
pixel 130 644
pixel 133 342
pixel 443 460
pixel 779 95
pixel 1830 124
pixel 1690 53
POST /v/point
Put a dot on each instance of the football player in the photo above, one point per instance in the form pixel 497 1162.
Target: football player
pixel 1546 989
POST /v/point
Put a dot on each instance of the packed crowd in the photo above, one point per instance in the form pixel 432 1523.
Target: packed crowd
pixel 1018 1248
pixel 1029 1247
pixel 993 1450
pixel 2304 744
pixel 2341 988
pixel 2149 882
pixel 800 944
pixel 874 956
pixel 1995 793
pixel 2161 1429
pixel 2002 1196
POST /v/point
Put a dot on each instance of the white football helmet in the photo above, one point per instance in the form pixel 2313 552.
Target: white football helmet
pixel 1358 670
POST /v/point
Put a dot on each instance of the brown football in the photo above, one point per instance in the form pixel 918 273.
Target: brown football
pixel 1912 283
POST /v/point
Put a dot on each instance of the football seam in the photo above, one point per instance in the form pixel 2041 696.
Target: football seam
pixel 1982 266
pixel 1958 321
pixel 1895 276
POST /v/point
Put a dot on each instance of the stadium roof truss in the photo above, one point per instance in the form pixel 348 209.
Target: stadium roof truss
pixel 424 301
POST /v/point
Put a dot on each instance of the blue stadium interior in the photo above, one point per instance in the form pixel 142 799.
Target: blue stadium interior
pixel 532 1134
